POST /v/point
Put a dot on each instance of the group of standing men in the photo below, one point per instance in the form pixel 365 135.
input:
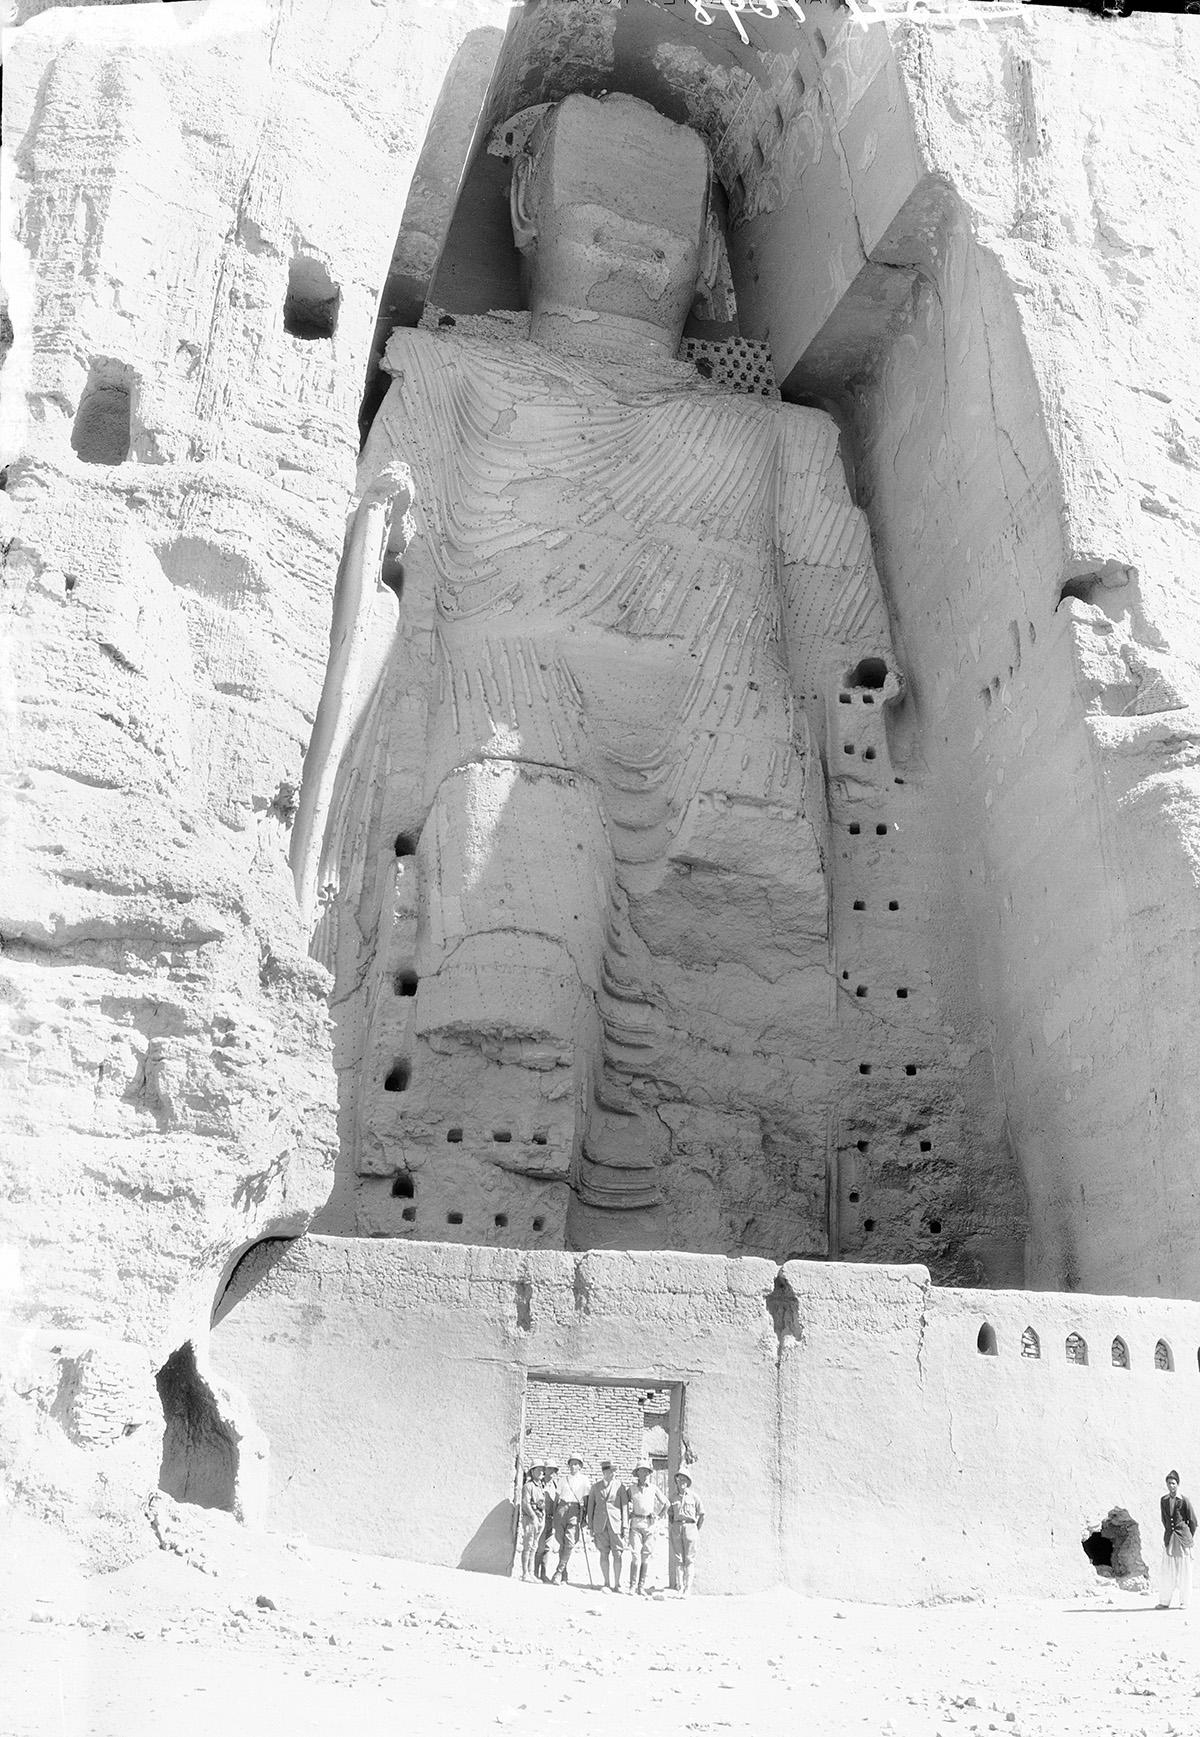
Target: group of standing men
pixel 556 1508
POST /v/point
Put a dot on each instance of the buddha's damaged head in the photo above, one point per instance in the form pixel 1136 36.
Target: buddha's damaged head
pixel 611 214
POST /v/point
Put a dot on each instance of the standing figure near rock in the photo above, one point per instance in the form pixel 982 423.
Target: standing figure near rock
pixel 686 1517
pixel 1179 1531
pixel 573 1492
pixel 620 581
pixel 533 1515
pixel 608 1522
pixel 550 1498
pixel 647 1506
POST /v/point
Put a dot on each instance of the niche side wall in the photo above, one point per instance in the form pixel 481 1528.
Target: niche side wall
pixel 1030 480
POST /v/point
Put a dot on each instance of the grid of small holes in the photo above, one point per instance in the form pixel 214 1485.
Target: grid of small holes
pixel 738 364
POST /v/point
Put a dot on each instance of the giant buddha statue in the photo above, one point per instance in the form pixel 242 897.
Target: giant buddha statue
pixel 568 747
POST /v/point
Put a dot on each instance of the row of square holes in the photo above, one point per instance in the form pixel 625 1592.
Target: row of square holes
pixel 501 1136
pixel 409 1215
pixel 854 1195
pixel 861 989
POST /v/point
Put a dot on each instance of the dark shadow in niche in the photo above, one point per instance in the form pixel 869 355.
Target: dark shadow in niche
pixel 244 1270
pixel 870 673
pixel 490 1547
pixel 200 1449
pixel 310 308
pixel 103 429
pixel 784 1309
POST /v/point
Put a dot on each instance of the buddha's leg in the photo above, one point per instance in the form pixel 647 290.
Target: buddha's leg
pixel 514 878
pixel 719 841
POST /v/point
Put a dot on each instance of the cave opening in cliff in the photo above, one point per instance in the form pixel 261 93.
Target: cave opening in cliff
pixel 103 428
pixel 200 1446
pixel 310 309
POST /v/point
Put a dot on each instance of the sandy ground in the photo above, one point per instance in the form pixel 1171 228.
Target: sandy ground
pixel 366 1645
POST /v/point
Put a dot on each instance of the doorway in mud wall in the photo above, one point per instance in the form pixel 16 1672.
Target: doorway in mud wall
pixel 626 1420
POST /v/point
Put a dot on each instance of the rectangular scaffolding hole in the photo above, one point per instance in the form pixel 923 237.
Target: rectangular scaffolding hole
pixel 454 1136
pixel 502 1136
pixel 860 904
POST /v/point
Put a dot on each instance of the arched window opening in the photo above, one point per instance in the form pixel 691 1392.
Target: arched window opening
pixel 871 672
pixel 986 1341
pixel 1120 1353
pixel 1076 1349
pixel 1163 1358
pixel 1031 1345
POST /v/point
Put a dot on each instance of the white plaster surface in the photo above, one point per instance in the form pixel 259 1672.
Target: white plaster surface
pixel 870 1428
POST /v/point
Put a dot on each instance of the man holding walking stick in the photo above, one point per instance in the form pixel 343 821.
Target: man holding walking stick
pixel 568 1515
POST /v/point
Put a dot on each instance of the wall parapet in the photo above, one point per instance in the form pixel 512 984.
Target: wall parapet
pixel 973 1474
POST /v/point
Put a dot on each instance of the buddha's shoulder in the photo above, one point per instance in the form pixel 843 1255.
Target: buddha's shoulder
pixel 452 349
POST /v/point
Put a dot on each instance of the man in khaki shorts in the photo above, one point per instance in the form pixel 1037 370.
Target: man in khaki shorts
pixel 646 1509
pixel 686 1518
pixel 533 1515
pixel 550 1498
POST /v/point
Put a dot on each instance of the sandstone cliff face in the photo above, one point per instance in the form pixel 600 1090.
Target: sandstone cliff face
pixel 1054 646
pixel 206 202
pixel 203 204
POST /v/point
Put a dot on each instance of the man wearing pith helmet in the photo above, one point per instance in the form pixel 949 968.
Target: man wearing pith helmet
pixel 646 1508
pixel 573 1491
pixel 550 1492
pixel 686 1519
